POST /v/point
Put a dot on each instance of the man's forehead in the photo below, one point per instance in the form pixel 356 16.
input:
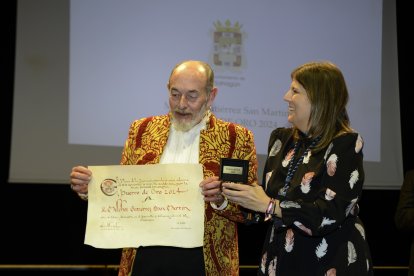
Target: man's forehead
pixel 190 66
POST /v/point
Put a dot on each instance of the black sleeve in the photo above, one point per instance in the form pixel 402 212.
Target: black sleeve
pixel 404 215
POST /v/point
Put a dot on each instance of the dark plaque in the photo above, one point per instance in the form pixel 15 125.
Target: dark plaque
pixel 234 170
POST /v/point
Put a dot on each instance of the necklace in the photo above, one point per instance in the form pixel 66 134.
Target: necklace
pixel 293 166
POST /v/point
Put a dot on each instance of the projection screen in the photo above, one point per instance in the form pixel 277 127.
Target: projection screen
pixel 86 69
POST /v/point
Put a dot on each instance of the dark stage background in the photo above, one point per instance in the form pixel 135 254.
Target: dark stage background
pixel 42 225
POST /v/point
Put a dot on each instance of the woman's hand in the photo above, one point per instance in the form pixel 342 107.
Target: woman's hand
pixel 252 197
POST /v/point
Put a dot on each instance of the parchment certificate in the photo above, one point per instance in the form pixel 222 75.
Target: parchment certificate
pixel 142 205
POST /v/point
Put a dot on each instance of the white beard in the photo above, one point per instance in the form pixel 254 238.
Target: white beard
pixel 187 125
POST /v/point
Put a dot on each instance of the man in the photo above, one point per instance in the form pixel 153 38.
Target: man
pixel 190 133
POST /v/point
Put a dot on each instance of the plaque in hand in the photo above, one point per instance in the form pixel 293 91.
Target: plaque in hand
pixel 234 170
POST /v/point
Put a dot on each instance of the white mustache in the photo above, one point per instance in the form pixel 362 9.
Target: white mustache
pixel 181 112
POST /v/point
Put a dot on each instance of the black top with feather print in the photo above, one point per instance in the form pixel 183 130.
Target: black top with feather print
pixel 320 232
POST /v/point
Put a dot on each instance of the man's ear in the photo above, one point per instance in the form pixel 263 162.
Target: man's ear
pixel 213 94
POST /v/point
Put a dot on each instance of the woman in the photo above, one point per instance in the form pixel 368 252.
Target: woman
pixel 312 183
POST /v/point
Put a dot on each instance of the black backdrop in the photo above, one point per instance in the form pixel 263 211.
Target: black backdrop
pixel 44 223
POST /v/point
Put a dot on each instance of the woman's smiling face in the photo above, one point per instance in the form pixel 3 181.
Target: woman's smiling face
pixel 299 106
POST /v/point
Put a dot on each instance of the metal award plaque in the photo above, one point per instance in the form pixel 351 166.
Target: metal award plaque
pixel 234 170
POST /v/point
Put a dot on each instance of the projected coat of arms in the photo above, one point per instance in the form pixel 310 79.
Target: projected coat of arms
pixel 228 44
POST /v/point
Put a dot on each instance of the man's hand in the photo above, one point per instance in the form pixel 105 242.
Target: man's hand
pixel 79 179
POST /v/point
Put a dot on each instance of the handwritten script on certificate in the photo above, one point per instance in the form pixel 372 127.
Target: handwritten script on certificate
pixel 143 205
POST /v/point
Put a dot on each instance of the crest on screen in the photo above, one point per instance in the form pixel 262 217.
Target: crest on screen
pixel 228 45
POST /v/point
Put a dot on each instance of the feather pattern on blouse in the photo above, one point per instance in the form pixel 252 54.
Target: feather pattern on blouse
pixel 321 249
pixel 360 229
pixel 331 164
pixel 305 183
pixel 327 221
pixel 289 240
pixel 359 144
pixel 354 178
pixel 329 194
pixel 351 253
pixel 275 148
pixel 350 206
pixel 328 150
pixel 289 204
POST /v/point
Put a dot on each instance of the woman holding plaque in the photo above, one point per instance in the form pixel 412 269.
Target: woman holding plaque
pixel 312 182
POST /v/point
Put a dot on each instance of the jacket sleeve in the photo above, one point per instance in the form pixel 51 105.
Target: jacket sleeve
pixel 404 215
pixel 244 149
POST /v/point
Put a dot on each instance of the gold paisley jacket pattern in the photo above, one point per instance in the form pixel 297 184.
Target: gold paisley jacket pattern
pixel 145 143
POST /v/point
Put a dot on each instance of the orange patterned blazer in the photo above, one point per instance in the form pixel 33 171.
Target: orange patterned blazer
pixel 145 143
